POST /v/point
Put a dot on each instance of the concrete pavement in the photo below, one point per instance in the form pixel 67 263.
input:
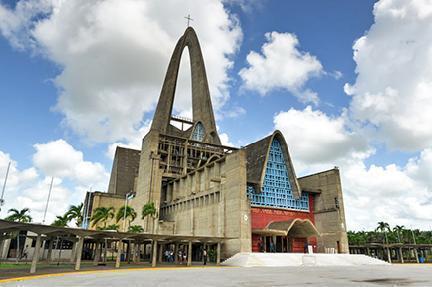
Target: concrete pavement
pixel 394 275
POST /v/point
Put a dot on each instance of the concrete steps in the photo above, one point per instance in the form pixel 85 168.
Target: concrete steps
pixel 251 259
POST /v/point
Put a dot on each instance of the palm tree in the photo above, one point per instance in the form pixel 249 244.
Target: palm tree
pixel 102 214
pixel 399 229
pixel 76 212
pixel 136 229
pixel 19 215
pixel 148 209
pixel 61 221
pixel 383 227
pixel 130 214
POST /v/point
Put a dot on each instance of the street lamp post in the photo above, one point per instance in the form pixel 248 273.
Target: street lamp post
pixel 128 196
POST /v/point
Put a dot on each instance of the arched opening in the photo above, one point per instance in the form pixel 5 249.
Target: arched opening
pixel 295 235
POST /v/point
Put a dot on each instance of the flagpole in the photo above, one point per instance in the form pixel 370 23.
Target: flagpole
pixel 49 195
pixel 4 185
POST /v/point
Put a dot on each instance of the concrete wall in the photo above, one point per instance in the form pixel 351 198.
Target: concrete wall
pixel 328 208
pixel 212 202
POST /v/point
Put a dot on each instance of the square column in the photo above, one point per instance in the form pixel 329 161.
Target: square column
pixel 73 252
pixel 218 253
pixel 97 253
pixel 154 253
pixel 189 258
pixel 119 253
pixel 78 254
pixel 50 248
pixel 36 254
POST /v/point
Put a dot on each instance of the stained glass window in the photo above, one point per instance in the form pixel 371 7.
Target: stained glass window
pixel 198 132
pixel 276 190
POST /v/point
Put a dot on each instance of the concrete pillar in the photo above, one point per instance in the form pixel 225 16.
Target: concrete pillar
pixel 154 253
pixel 160 253
pixel 2 245
pixel 36 253
pixel 218 253
pixel 50 248
pixel 105 248
pixel 176 250
pixel 138 252
pixel 401 255
pixel 189 257
pixel 204 248
pixel 389 255
pixel 119 253
pixel 78 253
pixel 129 251
pixel 416 255
pixel 134 252
pixel 73 252
pixel 97 253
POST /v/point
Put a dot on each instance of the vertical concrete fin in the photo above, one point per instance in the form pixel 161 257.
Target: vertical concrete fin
pixel 201 102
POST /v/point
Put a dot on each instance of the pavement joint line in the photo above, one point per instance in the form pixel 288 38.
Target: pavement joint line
pixel 41 276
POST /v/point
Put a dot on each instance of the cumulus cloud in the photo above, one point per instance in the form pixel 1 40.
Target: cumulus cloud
pixel 281 65
pixel 113 55
pixel 73 176
pixel 391 193
pixel 393 87
pixel 60 159
pixel 314 137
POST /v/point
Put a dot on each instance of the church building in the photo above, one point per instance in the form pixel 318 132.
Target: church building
pixel 249 196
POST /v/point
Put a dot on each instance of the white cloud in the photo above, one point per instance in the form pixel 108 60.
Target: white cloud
pixel 73 176
pixel 281 66
pixel 394 74
pixel 113 55
pixel 59 159
pixel 388 193
pixel 392 193
pixel 313 137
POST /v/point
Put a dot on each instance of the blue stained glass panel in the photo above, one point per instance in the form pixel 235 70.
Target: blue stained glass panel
pixel 198 132
pixel 276 190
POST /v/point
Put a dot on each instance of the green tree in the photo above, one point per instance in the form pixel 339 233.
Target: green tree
pixel 129 215
pixel 19 215
pixel 383 227
pixel 148 209
pixel 102 215
pixel 136 229
pixel 76 212
pixel 398 229
pixel 61 221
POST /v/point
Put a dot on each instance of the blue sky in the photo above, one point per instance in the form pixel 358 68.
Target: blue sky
pixel 73 87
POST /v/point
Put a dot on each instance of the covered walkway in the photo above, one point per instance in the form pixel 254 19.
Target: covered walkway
pixel 125 245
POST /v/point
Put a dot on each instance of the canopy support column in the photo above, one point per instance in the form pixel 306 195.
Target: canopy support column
pixel 78 252
pixel 189 257
pixel 36 254
pixel 97 253
pixel 119 253
pixel 176 251
pixel 154 253
pixel 50 248
pixel 73 253
pixel 218 253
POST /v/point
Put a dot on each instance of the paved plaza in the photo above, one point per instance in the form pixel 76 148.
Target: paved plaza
pixel 395 275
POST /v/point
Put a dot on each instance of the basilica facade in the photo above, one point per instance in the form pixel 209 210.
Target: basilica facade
pixel 249 196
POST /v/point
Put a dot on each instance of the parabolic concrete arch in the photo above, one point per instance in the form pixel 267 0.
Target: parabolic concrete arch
pixel 201 102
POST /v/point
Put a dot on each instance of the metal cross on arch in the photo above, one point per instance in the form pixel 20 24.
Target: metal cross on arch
pixel 188 19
